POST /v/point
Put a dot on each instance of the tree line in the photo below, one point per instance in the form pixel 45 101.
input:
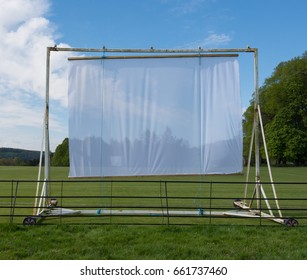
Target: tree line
pixel 11 156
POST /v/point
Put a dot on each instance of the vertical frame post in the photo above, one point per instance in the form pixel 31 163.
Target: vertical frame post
pixel 257 129
pixel 46 127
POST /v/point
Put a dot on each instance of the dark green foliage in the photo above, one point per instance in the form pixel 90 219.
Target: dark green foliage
pixel 283 101
pixel 10 156
pixel 61 154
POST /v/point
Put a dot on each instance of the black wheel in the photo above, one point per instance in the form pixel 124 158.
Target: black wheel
pixel 291 222
pixel 29 221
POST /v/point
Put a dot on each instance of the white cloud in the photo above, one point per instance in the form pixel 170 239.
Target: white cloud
pixel 26 116
pixel 216 40
pixel 15 12
pixel 25 34
pixel 212 40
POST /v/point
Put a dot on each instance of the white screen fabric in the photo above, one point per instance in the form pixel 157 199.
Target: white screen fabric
pixel 154 116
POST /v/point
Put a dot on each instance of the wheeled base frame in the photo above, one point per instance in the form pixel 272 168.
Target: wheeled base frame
pixel 241 210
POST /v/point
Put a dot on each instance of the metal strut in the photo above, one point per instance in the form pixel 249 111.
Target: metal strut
pixel 258 191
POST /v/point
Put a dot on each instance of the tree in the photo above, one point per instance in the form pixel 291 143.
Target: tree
pixel 61 154
pixel 283 101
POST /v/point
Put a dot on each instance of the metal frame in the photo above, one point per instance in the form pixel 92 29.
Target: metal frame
pixel 45 208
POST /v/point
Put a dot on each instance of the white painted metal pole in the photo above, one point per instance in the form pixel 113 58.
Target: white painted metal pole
pixel 256 125
pixel 268 163
pixel 249 162
pixel 39 174
pixel 153 50
pixel 47 145
pixel 266 201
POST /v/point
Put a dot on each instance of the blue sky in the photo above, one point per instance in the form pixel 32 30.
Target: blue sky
pixel 276 27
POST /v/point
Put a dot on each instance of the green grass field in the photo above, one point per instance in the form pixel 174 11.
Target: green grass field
pixel 197 193
pixel 103 237
pixel 88 242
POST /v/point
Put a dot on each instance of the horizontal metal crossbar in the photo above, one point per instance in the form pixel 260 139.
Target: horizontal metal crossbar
pixel 152 50
pixel 152 56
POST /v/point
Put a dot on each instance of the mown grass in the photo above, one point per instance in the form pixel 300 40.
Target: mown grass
pixel 222 189
pixel 71 242
pixel 217 239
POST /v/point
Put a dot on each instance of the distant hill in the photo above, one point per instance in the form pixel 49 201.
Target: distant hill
pixel 11 156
